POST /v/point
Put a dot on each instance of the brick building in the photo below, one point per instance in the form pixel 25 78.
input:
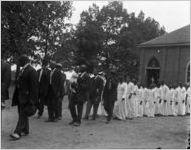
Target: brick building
pixel 166 58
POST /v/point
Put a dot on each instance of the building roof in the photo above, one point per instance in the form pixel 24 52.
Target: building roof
pixel 175 38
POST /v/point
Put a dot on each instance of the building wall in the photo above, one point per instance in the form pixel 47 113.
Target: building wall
pixel 172 60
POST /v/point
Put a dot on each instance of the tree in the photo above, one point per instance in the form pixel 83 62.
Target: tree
pixel 31 27
pixel 119 34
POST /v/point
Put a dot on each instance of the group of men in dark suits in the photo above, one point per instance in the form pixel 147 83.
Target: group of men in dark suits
pixel 34 89
pixel 91 89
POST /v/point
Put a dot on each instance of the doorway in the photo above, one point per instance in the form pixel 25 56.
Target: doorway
pixel 153 72
pixel 152 76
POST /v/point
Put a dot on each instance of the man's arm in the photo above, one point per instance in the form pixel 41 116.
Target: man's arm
pixel 33 86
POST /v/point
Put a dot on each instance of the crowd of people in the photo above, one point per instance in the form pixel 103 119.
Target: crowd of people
pixel 100 93
pixel 134 100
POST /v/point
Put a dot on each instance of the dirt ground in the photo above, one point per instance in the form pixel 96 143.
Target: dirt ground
pixel 163 132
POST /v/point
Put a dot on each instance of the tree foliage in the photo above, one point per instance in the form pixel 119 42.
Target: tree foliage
pixel 31 27
pixel 116 35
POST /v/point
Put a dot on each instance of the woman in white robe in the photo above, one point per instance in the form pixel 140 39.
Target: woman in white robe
pixel 173 99
pixel 140 96
pixel 170 101
pixel 181 100
pixel 129 103
pixel 151 106
pixel 120 109
pixel 146 102
pixel 134 98
pixel 188 100
pixel 157 98
pixel 175 96
pixel 164 99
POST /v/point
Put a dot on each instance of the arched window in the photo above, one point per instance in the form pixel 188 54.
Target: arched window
pixel 188 73
pixel 153 63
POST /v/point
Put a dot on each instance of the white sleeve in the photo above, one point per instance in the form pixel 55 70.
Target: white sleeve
pixel 125 91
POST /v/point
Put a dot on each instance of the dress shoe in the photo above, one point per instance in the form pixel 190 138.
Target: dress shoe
pixel 24 134
pixel 59 118
pixel 50 120
pixel 71 123
pixel 107 122
pixel 86 118
pixel 76 124
pixel 55 120
pixel 15 136
pixel 39 116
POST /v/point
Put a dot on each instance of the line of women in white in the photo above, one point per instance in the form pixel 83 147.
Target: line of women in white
pixel 136 101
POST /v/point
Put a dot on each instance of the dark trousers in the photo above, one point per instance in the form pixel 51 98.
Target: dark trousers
pixel 53 112
pixel 108 106
pixel 95 105
pixel 73 103
pixel 60 107
pixel 40 105
pixel 23 122
pixel 53 105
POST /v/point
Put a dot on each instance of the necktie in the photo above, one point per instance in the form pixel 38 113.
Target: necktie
pixel 109 83
pixel 51 76
pixel 41 71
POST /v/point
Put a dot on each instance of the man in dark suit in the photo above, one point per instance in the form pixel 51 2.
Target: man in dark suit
pixel 80 97
pixel 95 95
pixel 55 93
pixel 5 82
pixel 110 94
pixel 43 80
pixel 63 79
pixel 25 95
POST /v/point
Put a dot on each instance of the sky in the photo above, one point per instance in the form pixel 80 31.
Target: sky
pixel 170 14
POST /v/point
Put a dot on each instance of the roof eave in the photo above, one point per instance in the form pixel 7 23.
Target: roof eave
pixel 164 45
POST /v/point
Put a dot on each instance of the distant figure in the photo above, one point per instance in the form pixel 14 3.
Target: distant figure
pixel 62 90
pixel 5 82
pixel 79 97
pixel 43 80
pixel 55 92
pixel 72 96
pixel 95 95
pixel 188 92
pixel 120 109
pixel 129 99
pixel 181 91
pixel 25 96
pixel 110 94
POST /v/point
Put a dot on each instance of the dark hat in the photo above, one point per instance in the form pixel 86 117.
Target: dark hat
pixel 23 59
pixel 58 65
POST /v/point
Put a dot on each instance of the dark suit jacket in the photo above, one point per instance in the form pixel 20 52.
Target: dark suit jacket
pixel 96 88
pixel 44 82
pixel 5 80
pixel 83 87
pixel 110 90
pixel 27 87
pixel 58 84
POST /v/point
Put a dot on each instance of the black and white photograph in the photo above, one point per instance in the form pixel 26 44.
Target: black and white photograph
pixel 95 74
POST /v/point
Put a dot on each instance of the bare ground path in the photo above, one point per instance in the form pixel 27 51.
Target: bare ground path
pixel 164 132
